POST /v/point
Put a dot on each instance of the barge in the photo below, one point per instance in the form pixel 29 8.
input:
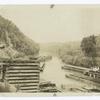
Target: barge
pixel 75 68
pixel 83 74
pixel 89 76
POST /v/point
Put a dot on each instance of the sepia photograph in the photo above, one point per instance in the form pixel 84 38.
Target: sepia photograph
pixel 50 49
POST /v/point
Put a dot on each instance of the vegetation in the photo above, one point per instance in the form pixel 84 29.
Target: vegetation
pixel 88 46
pixel 15 41
pixel 85 54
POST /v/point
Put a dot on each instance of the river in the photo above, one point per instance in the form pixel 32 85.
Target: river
pixel 53 73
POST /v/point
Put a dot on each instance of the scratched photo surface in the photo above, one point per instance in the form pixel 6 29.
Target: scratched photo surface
pixel 50 49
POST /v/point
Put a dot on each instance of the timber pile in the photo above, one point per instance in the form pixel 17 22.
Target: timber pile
pixel 24 75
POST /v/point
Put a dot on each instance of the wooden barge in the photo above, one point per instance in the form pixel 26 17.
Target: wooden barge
pixel 75 68
pixel 83 74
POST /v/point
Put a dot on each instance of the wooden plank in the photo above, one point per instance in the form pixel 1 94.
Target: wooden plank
pixel 35 67
pixel 22 82
pixel 23 72
pixel 26 68
pixel 22 78
pixel 18 61
pixel 29 91
pixel 27 85
pixel 25 64
pixel 23 75
pixel 27 78
pixel 29 88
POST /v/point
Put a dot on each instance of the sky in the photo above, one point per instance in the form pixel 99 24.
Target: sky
pixel 61 23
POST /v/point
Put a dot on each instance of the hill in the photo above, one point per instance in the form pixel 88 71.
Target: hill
pixel 55 49
pixel 14 42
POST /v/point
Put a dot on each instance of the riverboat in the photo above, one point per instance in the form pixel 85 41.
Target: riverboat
pixel 88 75
pixel 80 73
pixel 75 68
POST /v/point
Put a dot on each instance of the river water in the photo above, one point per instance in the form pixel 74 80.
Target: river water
pixel 53 73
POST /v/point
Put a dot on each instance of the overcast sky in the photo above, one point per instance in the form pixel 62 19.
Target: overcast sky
pixel 58 24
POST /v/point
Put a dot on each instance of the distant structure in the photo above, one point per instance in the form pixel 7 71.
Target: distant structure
pixel 52 6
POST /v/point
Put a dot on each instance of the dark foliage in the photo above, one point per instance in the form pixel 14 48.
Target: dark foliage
pixel 88 46
pixel 11 36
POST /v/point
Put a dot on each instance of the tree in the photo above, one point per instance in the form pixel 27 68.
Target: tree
pixel 88 46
